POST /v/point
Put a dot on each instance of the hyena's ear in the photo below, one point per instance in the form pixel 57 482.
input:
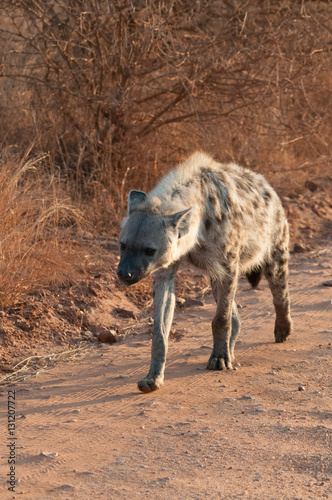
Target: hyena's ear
pixel 135 198
pixel 180 221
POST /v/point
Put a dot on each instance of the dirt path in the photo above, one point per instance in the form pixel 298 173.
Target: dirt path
pixel 246 433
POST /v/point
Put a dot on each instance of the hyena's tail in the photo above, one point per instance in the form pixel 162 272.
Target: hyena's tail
pixel 254 276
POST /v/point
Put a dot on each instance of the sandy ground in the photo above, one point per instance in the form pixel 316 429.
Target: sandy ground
pixel 262 431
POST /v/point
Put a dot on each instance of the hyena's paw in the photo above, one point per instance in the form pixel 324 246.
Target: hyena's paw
pixel 221 362
pixel 282 331
pixel 149 384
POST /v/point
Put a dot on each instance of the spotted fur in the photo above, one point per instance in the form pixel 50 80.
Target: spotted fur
pixel 224 219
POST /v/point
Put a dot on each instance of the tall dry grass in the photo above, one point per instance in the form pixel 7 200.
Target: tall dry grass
pixel 35 219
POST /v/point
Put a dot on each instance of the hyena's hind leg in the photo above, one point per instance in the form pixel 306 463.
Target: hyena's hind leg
pixel 236 321
pixel 225 324
pixel 276 272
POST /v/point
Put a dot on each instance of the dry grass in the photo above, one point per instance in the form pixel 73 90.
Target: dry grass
pixel 33 365
pixel 118 92
pixel 35 219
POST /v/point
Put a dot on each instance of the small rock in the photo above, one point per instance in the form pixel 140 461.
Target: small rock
pixel 237 364
pixel 192 302
pixel 180 301
pixel 298 248
pixel 87 235
pixel 176 334
pixel 49 454
pixel 89 334
pixel 23 325
pixel 327 283
pixel 301 388
pixel 312 186
pixel 124 313
pixel 123 375
pixel 6 368
pixel 107 336
pixel 74 308
pixel 60 307
pixel 94 288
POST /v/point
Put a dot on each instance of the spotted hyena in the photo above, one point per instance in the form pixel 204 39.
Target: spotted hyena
pixel 224 219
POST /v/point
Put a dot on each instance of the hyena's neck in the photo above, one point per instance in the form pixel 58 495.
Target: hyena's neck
pixel 187 242
pixel 176 192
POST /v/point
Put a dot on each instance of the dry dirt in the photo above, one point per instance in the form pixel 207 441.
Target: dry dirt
pixel 262 431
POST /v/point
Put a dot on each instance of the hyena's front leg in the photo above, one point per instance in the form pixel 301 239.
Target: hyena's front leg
pixel 236 325
pixel 164 303
pixel 225 320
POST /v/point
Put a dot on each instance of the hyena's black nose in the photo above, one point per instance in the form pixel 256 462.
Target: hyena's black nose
pixel 126 277
pixel 123 274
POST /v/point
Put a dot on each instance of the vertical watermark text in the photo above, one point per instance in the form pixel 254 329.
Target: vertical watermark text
pixel 11 441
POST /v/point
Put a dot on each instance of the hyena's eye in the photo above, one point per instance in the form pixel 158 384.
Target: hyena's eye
pixel 122 247
pixel 149 251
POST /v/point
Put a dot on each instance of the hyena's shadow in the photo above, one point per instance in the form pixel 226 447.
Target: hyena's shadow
pixel 194 362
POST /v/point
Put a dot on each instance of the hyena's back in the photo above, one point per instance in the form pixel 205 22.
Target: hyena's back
pixel 237 213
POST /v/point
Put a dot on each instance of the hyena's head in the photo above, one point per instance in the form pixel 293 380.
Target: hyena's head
pixel 148 239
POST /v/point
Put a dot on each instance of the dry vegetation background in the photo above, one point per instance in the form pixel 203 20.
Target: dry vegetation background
pixel 99 96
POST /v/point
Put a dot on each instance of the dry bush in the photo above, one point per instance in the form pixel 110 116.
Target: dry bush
pixel 117 91
pixel 34 250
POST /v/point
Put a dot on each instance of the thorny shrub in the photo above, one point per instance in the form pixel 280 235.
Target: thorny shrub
pixel 117 91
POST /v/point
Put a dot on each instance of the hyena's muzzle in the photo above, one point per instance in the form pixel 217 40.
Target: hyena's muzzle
pixel 132 268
